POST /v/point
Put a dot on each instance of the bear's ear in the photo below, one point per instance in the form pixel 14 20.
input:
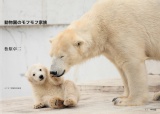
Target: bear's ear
pixel 51 40
pixel 78 42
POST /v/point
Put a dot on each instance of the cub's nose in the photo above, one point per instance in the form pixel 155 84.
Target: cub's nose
pixel 41 77
pixel 53 72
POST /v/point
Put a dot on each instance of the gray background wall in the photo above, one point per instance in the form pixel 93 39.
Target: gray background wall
pixel 34 43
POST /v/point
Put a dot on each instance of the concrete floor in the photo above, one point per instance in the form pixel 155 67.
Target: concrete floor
pixel 96 98
pixel 90 103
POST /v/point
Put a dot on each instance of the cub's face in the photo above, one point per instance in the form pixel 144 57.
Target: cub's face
pixel 67 49
pixel 37 74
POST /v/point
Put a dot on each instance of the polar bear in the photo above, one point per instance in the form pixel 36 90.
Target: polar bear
pixel 127 32
pixel 51 91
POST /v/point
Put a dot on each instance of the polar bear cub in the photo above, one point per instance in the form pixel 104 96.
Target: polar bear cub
pixel 50 91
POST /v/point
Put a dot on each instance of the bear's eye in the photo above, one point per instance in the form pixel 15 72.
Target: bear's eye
pixel 33 74
pixel 40 69
pixel 61 56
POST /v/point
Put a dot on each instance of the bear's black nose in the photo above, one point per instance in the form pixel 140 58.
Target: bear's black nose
pixel 53 72
pixel 41 77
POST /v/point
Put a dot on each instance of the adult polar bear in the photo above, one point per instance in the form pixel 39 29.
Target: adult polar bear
pixel 127 32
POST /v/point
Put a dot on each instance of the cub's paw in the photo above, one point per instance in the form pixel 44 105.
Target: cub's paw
pixel 39 105
pixel 128 102
pixel 156 97
pixel 56 103
pixel 70 102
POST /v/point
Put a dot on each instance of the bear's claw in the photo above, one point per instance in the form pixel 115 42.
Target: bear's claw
pixel 114 99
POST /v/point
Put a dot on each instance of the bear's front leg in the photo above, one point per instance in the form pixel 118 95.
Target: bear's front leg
pixel 71 93
pixel 156 97
pixel 56 103
pixel 135 72
pixel 70 101
pixel 125 84
pixel 39 105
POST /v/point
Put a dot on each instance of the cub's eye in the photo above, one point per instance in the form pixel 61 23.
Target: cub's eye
pixel 61 56
pixel 33 74
pixel 40 69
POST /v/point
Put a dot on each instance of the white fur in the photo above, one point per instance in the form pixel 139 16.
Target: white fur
pixel 127 32
pixel 51 90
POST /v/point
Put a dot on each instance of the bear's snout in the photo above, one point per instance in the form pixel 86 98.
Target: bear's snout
pixel 41 77
pixel 53 72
